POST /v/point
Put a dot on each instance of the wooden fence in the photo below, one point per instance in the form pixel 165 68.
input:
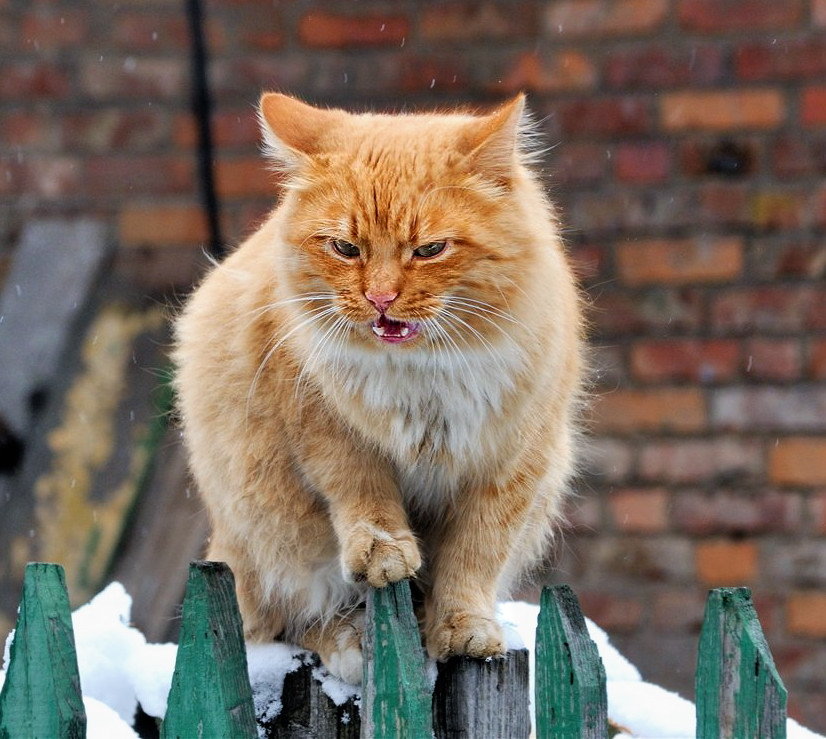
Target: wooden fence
pixel 739 693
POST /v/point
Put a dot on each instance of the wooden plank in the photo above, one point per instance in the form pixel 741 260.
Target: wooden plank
pixel 167 530
pixel 483 698
pixel 571 700
pixel 739 692
pixel 41 695
pixel 307 711
pixel 40 309
pixel 210 694
pixel 396 701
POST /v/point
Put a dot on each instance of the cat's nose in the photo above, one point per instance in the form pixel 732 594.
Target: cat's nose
pixel 380 299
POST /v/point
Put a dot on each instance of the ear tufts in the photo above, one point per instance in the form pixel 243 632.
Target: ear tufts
pixel 292 130
pixel 493 141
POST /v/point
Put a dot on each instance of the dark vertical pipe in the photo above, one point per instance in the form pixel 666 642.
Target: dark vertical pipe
pixel 201 109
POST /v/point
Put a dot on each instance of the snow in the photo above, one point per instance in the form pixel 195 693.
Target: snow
pixel 119 670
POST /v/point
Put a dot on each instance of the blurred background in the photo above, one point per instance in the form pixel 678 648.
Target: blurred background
pixel 689 149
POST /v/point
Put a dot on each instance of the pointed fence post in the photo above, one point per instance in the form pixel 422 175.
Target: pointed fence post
pixel 396 701
pixel 483 698
pixel 210 694
pixel 739 692
pixel 41 695
pixel 571 700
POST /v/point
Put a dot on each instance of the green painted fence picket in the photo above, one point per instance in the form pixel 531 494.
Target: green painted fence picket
pixel 41 696
pixel 739 692
pixel 396 700
pixel 571 700
pixel 210 694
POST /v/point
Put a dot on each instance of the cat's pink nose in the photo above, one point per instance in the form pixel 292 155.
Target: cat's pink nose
pixel 381 299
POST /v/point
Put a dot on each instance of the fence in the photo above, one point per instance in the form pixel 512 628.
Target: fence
pixel 739 693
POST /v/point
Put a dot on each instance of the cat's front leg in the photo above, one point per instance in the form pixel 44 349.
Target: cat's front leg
pixel 475 545
pixel 375 541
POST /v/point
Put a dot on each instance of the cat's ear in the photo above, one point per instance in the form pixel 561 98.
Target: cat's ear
pixel 294 131
pixel 492 141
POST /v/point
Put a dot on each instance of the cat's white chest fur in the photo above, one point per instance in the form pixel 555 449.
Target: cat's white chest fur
pixel 429 404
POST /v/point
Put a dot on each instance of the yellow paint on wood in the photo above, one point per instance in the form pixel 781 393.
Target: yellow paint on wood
pixel 72 528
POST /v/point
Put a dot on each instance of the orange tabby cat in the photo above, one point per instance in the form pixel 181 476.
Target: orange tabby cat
pixel 382 382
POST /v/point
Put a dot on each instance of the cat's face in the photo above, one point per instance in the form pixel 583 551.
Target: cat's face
pixel 405 225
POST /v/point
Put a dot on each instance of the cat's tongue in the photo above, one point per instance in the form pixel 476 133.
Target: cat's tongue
pixel 393 332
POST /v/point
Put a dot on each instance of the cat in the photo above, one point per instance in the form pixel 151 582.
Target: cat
pixel 384 381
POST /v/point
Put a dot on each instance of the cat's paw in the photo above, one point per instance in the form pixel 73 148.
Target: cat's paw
pixel 347 664
pixel 340 649
pixel 464 633
pixel 379 557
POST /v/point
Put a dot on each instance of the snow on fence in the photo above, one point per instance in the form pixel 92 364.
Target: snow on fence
pixel 739 693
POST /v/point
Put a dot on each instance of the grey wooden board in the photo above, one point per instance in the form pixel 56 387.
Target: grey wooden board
pixel 308 712
pixel 480 699
pixel 167 530
pixel 53 273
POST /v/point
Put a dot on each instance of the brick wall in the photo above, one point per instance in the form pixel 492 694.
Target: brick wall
pixel 690 149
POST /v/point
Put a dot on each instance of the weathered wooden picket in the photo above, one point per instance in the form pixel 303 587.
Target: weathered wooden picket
pixel 739 693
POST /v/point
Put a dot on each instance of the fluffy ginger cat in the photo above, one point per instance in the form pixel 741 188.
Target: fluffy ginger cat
pixel 382 382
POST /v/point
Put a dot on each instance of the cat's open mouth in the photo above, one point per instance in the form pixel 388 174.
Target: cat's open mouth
pixel 394 332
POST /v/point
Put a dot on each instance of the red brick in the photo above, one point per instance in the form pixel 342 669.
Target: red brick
pixel 724 205
pixel 53 177
pixel 425 73
pixel 640 558
pixel 782 258
pixel 583 516
pixel 235 178
pixel 795 156
pixel 629 411
pixel 773 359
pixel 33 79
pixel 722 110
pixel 24 128
pixel 806 613
pixel 115 129
pixel 161 225
pixel 817 359
pixel 612 612
pixel 161 269
pixel 770 408
pixel 724 16
pixel 714 360
pixel 819 12
pixel 787 59
pixel 587 261
pixel 107 175
pixel 817 507
pixel 675 262
pixel 732 157
pixel 644 163
pixel 617 313
pixel 321 29
pixel 229 76
pixel 544 71
pixel 142 31
pixel 721 460
pixel 780 209
pixel 641 511
pixel 579 163
pixel 581 18
pixel 605 116
pixel 661 66
pixel 108 77
pixel 678 610
pixel 46 28
pixel 726 563
pixel 798 461
pixel 763 309
pixel 474 21
pixel 730 512
pixel 813 107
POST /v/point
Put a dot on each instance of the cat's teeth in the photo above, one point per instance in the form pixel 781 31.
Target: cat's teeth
pixel 378 330
pixel 404 331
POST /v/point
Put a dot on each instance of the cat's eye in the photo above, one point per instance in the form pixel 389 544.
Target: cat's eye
pixel 345 248
pixel 430 250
